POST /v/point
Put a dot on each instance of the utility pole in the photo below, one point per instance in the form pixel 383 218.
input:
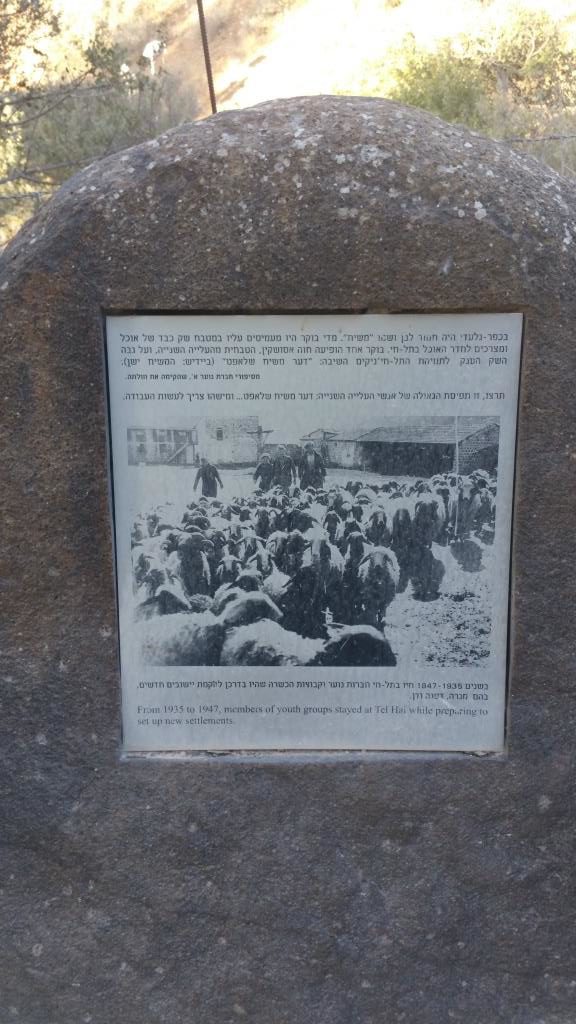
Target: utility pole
pixel 204 34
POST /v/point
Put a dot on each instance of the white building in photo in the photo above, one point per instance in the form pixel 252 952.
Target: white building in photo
pixel 230 441
pixel 223 440
pixel 162 446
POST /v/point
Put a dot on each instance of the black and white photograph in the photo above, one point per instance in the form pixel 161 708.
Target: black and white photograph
pixel 312 522
pixel 325 545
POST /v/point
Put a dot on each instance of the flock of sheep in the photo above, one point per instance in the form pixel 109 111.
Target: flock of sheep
pixel 300 577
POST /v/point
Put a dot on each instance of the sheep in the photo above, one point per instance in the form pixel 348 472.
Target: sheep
pixel 429 521
pixel 276 544
pixel 305 560
pixel 262 524
pixel 377 531
pixel 190 563
pixel 261 560
pixel 267 643
pixel 228 567
pixel 402 545
pixel 168 598
pixel 379 574
pixel 306 600
pixel 355 645
pixel 181 639
pixel 249 579
pixel 276 583
pixel 355 548
pixel 249 608
pixel 225 594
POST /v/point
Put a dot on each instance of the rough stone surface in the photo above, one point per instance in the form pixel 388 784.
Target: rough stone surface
pixel 363 889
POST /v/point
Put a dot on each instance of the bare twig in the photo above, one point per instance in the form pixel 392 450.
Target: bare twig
pixel 24 195
pixel 29 174
pixel 23 98
pixel 538 138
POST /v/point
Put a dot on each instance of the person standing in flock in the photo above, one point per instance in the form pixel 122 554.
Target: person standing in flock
pixel 312 468
pixel 284 470
pixel 210 478
pixel 264 472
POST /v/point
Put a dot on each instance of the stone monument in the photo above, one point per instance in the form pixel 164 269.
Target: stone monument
pixel 278 887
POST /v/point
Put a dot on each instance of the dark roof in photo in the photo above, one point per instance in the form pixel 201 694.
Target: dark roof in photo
pixel 426 429
pixel 320 432
pixel 352 434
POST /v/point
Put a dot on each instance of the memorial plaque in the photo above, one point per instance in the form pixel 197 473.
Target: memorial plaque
pixel 313 521
pixel 265 886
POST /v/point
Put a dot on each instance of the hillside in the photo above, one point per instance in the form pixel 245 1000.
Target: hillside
pixel 81 89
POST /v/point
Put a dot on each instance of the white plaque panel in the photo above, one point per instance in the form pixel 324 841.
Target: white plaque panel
pixel 312 526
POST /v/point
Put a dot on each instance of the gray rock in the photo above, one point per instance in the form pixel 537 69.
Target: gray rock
pixel 371 889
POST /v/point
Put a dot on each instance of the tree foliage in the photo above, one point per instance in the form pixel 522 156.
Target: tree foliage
pixel 509 70
pixel 446 83
pixel 22 24
pixel 515 76
pixel 64 105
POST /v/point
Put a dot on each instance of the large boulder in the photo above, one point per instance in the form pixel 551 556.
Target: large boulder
pixel 424 889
